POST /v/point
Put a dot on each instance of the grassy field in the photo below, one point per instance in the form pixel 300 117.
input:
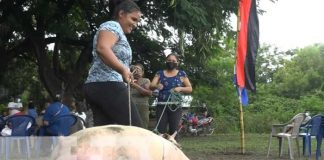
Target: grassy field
pixel 227 147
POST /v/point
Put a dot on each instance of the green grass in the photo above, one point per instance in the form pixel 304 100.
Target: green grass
pixel 227 146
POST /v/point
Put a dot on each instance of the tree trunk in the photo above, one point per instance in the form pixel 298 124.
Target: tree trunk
pixel 46 74
pixel 73 78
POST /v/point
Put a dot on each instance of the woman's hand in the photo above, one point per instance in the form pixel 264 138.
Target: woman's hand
pixel 159 86
pixel 133 83
pixel 177 89
pixel 127 75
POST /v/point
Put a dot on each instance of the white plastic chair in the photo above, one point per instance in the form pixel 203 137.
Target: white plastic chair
pixel 290 131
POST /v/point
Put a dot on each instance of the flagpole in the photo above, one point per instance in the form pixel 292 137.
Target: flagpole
pixel 242 126
pixel 240 93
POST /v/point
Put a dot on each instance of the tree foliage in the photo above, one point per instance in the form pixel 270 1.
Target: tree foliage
pixel 56 35
pixel 303 75
pixel 48 43
pixel 269 60
pixel 295 86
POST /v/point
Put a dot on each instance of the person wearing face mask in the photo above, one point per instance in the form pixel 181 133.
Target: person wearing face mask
pixel 141 92
pixel 105 89
pixel 171 79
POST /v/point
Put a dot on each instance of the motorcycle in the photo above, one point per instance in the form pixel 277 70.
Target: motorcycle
pixel 192 124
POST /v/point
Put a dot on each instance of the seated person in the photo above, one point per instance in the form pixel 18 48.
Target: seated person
pixel 76 109
pixel 55 109
pixel 32 110
pixel 14 109
pixel 4 113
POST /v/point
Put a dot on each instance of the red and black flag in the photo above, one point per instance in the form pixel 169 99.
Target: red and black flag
pixel 247 45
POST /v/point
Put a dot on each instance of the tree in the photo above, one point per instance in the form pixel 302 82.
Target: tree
pixel 269 60
pixel 35 24
pixel 28 29
pixel 303 75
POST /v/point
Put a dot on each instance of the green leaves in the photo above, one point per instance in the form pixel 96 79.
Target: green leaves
pixel 302 75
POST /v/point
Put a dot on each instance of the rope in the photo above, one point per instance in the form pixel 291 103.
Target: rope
pixel 158 123
pixel 173 99
pixel 129 105
pixel 129 99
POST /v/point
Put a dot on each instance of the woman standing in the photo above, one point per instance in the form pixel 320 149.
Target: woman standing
pixel 171 79
pixel 141 92
pixel 105 88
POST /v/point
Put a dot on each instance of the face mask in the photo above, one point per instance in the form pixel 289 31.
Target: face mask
pixel 171 65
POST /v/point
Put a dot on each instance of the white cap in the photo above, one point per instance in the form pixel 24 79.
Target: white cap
pixel 14 105
pixel 19 105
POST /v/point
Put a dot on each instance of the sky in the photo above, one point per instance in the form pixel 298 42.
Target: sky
pixel 289 24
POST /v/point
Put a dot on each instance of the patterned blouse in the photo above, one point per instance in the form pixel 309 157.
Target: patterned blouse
pixel 99 71
pixel 169 83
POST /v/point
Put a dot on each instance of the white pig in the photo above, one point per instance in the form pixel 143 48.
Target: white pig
pixel 116 142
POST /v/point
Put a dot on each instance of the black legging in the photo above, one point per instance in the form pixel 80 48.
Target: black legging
pixel 109 103
pixel 170 117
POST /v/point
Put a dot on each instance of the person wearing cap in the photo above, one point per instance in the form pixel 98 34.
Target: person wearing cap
pixel 14 109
